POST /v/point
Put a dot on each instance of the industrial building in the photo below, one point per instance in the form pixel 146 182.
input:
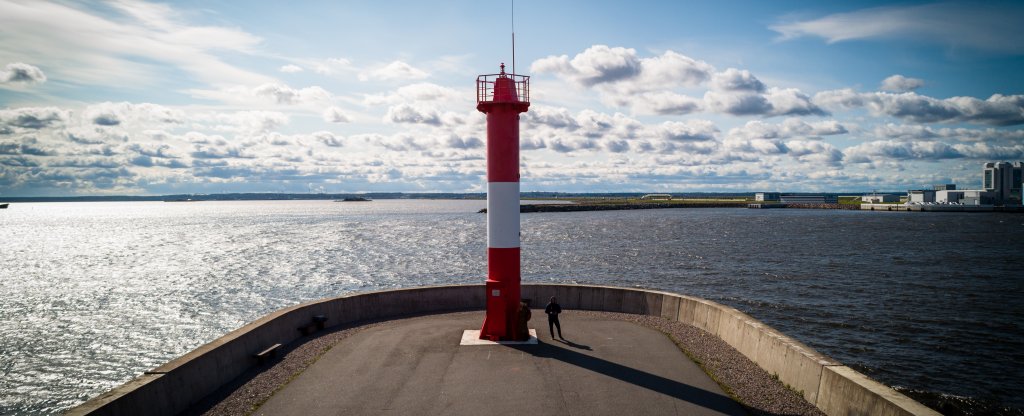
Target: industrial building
pixel 1001 185
pixel 879 198
pixel 920 196
pixel 1004 181
pixel 809 199
pixel 767 197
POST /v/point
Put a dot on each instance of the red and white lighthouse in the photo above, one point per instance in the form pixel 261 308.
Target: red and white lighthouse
pixel 502 97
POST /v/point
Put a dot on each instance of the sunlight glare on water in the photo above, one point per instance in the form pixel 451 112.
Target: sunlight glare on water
pixel 93 294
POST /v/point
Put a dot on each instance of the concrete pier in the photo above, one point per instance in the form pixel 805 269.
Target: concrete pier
pixel 183 382
pixel 418 367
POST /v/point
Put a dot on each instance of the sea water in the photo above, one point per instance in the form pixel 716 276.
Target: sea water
pixel 93 294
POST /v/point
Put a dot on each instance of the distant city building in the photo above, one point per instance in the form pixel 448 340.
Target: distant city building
pixel 657 197
pixel 809 199
pixel 879 198
pixel 1004 181
pixel 920 196
pixel 945 187
pixel 972 197
pixel 766 196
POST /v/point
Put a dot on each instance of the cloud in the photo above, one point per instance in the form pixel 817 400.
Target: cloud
pixel 691 130
pixel 330 65
pixel 774 102
pixel 405 113
pixel 554 117
pixel 456 142
pixel 26 146
pixel 328 139
pixel 919 132
pixel 396 70
pixel 113 114
pixel 733 79
pixel 34 117
pixel 994 28
pixel 418 92
pixel 929 150
pixel 814 151
pixel 283 94
pixel 789 128
pixel 247 122
pixel 597 64
pixel 651 85
pixel 290 69
pixel 900 83
pixel 83 43
pixel 664 103
pixel 998 110
pixel 624 71
pixel 21 73
pixel 336 115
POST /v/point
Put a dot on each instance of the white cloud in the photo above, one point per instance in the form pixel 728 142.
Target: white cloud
pixel 418 92
pixel 34 117
pixel 664 103
pixel 82 45
pixel 112 114
pixel 789 128
pixel 624 71
pixel 999 110
pixel 685 131
pixel 283 94
pixel 900 83
pixel 290 69
pixel 774 102
pixel 733 79
pixel 331 65
pixel 248 122
pixel 405 113
pixel 396 70
pixel 336 115
pixel 651 85
pixel 598 64
pixel 994 27
pixel 21 73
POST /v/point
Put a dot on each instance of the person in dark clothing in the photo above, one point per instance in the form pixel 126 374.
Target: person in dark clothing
pixel 552 310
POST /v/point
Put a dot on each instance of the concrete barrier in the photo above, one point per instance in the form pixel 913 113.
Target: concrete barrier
pixel 183 382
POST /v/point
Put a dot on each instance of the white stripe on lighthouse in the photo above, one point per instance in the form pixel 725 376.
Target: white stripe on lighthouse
pixel 502 214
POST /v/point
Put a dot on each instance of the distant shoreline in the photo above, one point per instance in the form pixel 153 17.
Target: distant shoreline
pixel 282 196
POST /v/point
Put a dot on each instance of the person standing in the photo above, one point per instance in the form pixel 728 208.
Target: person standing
pixel 552 310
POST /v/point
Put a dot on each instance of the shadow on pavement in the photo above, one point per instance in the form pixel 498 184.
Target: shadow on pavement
pixel 681 391
pixel 573 344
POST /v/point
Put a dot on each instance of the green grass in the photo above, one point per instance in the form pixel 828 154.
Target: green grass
pixel 674 201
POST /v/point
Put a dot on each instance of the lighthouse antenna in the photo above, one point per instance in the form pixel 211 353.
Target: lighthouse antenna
pixel 513 36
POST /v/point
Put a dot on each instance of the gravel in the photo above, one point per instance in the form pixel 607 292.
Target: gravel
pixel 754 388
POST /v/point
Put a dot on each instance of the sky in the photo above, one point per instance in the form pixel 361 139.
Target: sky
pixel 147 98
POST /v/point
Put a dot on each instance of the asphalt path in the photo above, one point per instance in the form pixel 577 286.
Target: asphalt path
pixel 416 366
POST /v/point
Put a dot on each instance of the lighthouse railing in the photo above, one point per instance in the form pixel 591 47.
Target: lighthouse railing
pixel 485 87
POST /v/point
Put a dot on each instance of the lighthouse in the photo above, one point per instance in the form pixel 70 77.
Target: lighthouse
pixel 502 97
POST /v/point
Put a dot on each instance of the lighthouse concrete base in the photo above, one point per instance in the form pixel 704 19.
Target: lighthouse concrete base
pixel 472 337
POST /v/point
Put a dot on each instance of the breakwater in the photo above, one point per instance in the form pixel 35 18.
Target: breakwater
pixel 526 208
pixel 822 206
pixel 176 386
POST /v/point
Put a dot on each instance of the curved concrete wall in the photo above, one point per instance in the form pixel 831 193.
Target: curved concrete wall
pixel 181 383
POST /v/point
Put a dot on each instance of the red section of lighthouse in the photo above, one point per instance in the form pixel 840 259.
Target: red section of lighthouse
pixel 502 97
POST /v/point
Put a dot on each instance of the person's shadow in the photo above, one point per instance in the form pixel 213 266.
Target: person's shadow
pixel 575 345
pixel 696 395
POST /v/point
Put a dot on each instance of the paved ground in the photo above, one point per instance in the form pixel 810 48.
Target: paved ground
pixel 418 367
